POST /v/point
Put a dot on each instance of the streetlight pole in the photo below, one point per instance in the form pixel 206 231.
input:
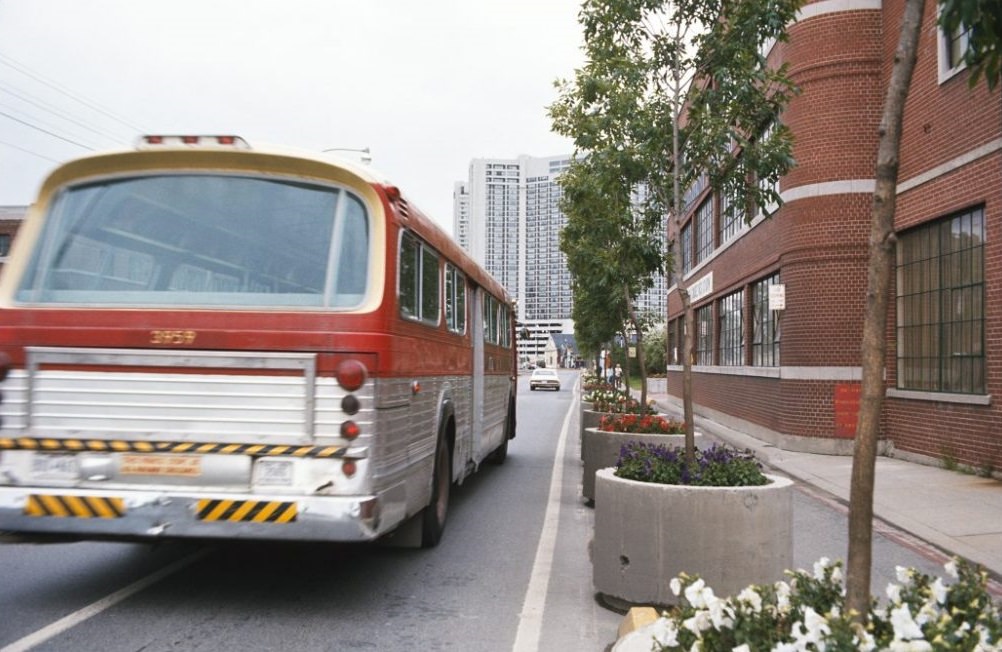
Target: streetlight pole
pixel 364 151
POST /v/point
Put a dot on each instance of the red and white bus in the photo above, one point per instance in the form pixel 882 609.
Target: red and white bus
pixel 211 340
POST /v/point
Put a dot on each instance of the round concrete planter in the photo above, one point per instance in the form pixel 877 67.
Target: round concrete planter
pixel 600 449
pixel 589 419
pixel 646 534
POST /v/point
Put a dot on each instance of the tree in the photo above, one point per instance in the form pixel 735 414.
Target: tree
pixel 610 254
pixel 985 35
pixel 624 111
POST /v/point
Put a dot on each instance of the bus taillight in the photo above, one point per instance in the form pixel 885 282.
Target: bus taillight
pixel 350 430
pixel 351 375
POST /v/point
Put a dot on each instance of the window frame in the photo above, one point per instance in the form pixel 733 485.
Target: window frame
pixel 731 329
pixel 413 308
pixel 938 350
pixel 766 332
pixel 703 349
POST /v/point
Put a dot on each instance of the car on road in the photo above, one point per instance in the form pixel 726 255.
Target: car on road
pixel 544 379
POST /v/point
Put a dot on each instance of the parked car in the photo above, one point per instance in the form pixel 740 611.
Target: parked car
pixel 544 378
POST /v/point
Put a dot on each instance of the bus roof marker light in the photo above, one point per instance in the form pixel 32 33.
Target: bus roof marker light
pixel 351 375
pixel 226 141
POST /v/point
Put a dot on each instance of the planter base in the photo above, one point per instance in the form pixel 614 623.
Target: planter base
pixel 646 534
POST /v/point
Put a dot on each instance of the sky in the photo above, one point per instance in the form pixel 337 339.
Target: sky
pixel 426 85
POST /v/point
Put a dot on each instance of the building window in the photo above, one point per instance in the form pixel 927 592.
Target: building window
pixel 672 352
pixel 4 245
pixel 766 184
pixel 704 231
pixel 685 246
pixel 940 303
pixel 765 325
pixel 732 343
pixel 704 335
pixel 732 217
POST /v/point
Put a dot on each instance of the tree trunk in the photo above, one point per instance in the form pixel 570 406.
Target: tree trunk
pixel 688 338
pixel 874 345
pixel 641 362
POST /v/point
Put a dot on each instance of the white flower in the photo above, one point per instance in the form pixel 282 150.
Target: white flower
pixel 905 627
pixel 752 598
pixel 665 632
pixel 819 568
pixel 904 574
pixel 783 596
pixel 699 594
pixel 786 647
pixel 894 593
pixel 721 614
pixel 837 575
pixel 812 630
pixel 675 585
pixel 939 591
pixel 951 568
pixel 741 648
pixel 698 623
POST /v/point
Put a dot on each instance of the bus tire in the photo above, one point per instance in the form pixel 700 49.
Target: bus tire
pixel 433 516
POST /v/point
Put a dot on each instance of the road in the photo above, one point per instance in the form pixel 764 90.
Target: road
pixel 511 574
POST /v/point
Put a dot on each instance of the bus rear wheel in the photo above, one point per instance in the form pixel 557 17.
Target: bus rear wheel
pixel 434 515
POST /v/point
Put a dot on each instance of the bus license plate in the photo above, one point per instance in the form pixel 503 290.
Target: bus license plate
pixel 172 465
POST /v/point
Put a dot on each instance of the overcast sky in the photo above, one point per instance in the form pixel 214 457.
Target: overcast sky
pixel 427 85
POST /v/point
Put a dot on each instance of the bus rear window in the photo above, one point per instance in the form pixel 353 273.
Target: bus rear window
pixel 201 240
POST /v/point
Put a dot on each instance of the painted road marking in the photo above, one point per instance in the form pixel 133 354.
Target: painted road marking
pixel 530 620
pixel 79 616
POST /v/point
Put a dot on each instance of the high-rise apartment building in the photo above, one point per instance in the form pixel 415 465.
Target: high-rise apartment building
pixel 507 215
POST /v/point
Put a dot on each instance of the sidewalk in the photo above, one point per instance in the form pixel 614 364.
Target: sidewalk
pixel 961 514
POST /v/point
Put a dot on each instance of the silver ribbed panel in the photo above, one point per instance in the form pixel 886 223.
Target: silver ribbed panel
pixel 207 405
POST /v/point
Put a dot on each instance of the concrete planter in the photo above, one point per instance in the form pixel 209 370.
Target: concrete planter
pixel 601 449
pixel 589 419
pixel 646 534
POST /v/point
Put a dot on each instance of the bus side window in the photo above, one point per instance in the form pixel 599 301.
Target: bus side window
pixel 409 290
pixel 455 300
pixel 420 281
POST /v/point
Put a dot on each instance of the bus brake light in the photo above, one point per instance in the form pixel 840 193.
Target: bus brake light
pixel 351 374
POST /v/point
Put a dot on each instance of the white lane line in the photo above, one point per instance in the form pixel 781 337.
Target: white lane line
pixel 530 620
pixel 77 617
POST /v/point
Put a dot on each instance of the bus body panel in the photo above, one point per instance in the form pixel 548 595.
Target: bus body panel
pixel 126 421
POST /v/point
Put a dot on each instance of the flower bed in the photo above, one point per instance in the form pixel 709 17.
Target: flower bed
pixel 808 613
pixel 717 466
pixel 641 423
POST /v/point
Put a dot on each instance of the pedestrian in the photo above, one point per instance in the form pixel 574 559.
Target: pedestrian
pixel 619 375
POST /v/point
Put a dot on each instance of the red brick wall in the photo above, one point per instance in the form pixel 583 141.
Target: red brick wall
pixel 818 241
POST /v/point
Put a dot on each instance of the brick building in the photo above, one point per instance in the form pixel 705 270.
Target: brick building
pixel 791 375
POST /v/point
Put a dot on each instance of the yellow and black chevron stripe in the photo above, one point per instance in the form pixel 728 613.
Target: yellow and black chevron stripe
pixel 122 446
pixel 246 511
pixel 74 506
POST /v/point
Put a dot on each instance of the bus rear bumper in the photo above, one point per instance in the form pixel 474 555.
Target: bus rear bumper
pixel 49 513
